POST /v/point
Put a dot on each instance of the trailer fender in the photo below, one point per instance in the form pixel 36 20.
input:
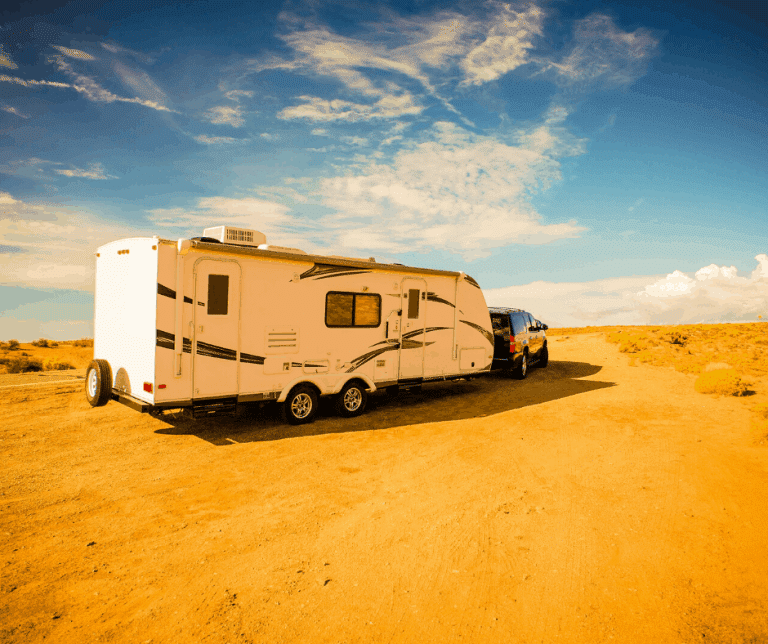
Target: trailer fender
pixel 322 385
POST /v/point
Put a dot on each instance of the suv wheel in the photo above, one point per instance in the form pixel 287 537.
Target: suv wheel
pixel 544 360
pixel 522 370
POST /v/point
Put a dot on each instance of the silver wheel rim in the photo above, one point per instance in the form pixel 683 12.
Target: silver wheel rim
pixel 352 399
pixel 524 366
pixel 301 406
pixel 93 383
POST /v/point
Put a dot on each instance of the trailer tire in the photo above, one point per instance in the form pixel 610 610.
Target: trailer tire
pixel 98 383
pixel 300 406
pixel 522 371
pixel 351 400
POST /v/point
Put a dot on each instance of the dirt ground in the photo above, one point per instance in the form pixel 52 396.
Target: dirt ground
pixel 592 502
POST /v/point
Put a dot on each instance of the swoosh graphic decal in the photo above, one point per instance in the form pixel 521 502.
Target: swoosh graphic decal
pixel 434 297
pixel 488 335
pixel 322 271
pixel 361 360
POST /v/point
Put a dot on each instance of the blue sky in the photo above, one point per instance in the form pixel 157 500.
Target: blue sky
pixel 597 163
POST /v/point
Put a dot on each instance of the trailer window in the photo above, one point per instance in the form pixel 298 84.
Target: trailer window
pixel 352 309
pixel 413 303
pixel 218 294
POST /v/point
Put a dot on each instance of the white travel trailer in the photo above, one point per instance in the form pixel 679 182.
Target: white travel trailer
pixel 211 322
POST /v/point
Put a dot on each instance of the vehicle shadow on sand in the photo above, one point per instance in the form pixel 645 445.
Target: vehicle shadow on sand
pixel 436 402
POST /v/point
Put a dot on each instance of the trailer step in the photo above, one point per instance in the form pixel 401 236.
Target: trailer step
pixel 218 408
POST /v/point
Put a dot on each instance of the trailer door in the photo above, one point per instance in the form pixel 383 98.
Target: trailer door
pixel 413 302
pixel 217 328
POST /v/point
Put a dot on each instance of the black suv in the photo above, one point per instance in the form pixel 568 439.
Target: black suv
pixel 519 339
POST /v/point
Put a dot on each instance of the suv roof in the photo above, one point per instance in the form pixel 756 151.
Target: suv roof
pixel 505 309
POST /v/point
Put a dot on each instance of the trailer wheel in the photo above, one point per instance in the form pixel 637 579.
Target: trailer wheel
pixel 98 383
pixel 352 399
pixel 522 370
pixel 300 406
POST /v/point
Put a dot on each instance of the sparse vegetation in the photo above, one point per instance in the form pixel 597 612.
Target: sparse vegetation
pixel 44 343
pixel 723 382
pixel 22 365
pixel 690 348
pixel 13 345
pixel 82 342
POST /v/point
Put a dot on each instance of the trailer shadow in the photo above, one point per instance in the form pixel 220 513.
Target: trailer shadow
pixel 441 401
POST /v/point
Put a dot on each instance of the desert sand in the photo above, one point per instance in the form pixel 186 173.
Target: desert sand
pixel 593 502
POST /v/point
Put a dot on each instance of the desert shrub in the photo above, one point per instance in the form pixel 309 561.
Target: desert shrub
pixel 56 363
pixel 24 353
pixel 723 382
pixel 83 342
pixel 675 337
pixel 23 365
pixel 13 345
pixel 42 343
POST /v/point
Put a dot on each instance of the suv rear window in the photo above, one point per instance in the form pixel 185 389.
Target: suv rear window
pixel 518 323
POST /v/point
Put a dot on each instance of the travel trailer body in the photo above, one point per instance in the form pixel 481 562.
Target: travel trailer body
pixel 209 323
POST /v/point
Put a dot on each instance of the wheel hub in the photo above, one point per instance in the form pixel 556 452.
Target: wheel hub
pixel 93 383
pixel 352 399
pixel 301 406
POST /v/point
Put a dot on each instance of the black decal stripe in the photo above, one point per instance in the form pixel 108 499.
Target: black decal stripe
pixel 415 344
pixel 429 329
pixel 344 274
pixel 168 341
pixel 215 351
pixel 249 358
pixel 488 335
pixel 434 297
pixel 361 360
pixel 467 278
pixel 169 292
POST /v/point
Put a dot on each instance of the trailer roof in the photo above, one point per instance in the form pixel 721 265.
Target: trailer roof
pixel 218 247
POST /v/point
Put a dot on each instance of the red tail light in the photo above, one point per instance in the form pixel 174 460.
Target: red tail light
pixel 512 344
pixel 148 387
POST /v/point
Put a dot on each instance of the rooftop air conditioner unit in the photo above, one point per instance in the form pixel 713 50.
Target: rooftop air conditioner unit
pixel 239 236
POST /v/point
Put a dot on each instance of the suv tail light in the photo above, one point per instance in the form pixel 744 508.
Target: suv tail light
pixel 511 343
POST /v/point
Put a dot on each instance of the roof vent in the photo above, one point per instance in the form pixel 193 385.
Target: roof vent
pixel 282 249
pixel 239 236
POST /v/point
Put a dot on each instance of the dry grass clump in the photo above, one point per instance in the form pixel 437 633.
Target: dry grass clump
pixel 723 382
pixel 18 357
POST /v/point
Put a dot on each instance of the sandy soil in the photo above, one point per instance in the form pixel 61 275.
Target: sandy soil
pixel 592 502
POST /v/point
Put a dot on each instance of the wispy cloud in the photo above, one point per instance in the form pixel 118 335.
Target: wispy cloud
pixel 505 46
pixel 5 60
pixel 94 171
pixel 217 140
pixel 225 115
pixel 318 109
pixel 73 53
pixel 604 55
pixel 85 86
pixel 14 111
pixel 455 191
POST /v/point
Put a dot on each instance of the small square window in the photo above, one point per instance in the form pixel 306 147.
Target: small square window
pixel 218 294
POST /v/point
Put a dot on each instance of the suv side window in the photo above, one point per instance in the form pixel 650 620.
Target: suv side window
pixel 531 321
pixel 500 326
pixel 518 324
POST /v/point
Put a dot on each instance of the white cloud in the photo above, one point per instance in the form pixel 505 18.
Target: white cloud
pixel 57 243
pixel 226 115
pixel 94 171
pixel 715 294
pixel 318 109
pixel 5 60
pixel 31 83
pixel 269 217
pixel 505 46
pixel 73 53
pixel 14 111
pixel 603 54
pixel 216 140
pixel 458 191
pixel 236 94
